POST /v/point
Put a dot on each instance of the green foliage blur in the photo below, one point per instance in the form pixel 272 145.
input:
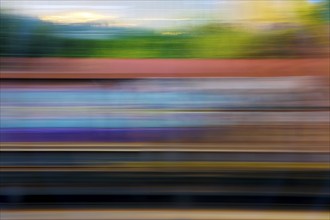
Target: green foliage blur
pixel 204 41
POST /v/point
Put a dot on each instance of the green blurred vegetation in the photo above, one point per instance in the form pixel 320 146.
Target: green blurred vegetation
pixel 128 47
pixel 222 43
pixel 205 41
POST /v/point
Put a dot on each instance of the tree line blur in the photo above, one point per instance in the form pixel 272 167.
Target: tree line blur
pixel 29 37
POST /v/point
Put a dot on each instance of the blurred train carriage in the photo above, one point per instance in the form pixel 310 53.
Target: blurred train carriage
pixel 98 140
pixel 159 110
pixel 164 107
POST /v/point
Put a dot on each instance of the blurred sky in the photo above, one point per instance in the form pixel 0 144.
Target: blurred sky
pixel 150 13
pixel 140 12
pixel 315 1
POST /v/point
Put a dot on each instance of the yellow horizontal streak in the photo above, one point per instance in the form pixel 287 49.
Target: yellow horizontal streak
pixel 184 147
pixel 147 214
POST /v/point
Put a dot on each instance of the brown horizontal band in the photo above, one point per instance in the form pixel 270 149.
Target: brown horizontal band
pixel 93 68
pixel 176 167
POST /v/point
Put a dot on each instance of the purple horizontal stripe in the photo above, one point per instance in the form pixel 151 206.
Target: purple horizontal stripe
pixel 98 135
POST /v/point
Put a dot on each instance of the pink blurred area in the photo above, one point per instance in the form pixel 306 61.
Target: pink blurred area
pixel 80 68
